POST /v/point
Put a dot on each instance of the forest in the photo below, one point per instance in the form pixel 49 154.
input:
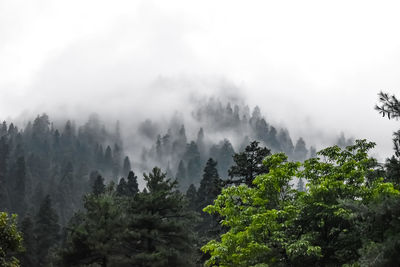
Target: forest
pixel 230 189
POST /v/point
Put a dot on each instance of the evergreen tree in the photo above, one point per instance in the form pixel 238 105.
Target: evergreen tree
pixel 28 257
pixel 300 151
pixel 98 186
pixel 300 185
pixel 46 231
pixel 93 237
pixel 248 164
pixel 132 184
pixel 127 166
pixel 181 175
pixel 210 185
pixel 122 188
pixel 313 152
pixel 4 152
pixel 19 191
pixel 286 142
pixel 191 195
pixel 210 188
pixel 159 228
pixel 108 160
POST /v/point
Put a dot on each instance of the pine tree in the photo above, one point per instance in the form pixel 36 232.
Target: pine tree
pixel 94 236
pixel 4 152
pixel 132 184
pixel 300 150
pixel 191 195
pixel 159 226
pixel 248 164
pixel 122 188
pixel 98 186
pixel 46 231
pixel 108 160
pixel 28 257
pixel 127 166
pixel 181 175
pixel 19 191
pixel 300 185
pixel 210 185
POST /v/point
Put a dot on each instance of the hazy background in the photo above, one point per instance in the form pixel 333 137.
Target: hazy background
pixel 313 66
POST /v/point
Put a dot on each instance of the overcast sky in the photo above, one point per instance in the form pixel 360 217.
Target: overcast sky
pixel 316 64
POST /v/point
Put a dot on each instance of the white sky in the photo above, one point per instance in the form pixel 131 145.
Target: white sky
pixel 316 64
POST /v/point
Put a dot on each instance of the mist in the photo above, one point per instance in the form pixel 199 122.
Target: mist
pixel 314 69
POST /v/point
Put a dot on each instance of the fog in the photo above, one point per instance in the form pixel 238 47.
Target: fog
pixel 311 66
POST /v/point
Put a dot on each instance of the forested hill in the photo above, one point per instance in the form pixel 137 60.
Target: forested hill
pixel 215 130
pixel 41 158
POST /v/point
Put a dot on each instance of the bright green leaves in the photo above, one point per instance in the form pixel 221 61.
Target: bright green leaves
pixel 10 240
pixel 271 223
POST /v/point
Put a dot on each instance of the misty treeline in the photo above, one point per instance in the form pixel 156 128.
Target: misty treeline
pixel 79 202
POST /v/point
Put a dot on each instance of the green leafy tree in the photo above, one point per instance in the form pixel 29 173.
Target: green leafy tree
pixel 271 223
pixel 10 240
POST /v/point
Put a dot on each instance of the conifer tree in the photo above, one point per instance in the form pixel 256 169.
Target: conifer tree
pixel 300 151
pixel 108 160
pixel 46 231
pixel 160 226
pixel 127 166
pixel 122 188
pixel 28 257
pixel 300 185
pixel 132 184
pixel 191 195
pixel 98 186
pixel 248 164
pixel 181 175
pixel 4 152
pixel 19 191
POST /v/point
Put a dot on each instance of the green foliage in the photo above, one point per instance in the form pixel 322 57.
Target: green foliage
pixel 149 228
pixel 93 235
pixel 10 240
pixel 271 223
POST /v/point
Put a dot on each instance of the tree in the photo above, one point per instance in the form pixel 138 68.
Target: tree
pixel 132 184
pixel 248 164
pixel 270 223
pixel 159 231
pixel 4 153
pixel 10 240
pixel 300 151
pixel 181 175
pixel 98 186
pixel 46 230
pixel 28 257
pixel 210 185
pixel 127 166
pixel 300 185
pixel 390 106
pixel 20 185
pixel 93 236
pixel 191 195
